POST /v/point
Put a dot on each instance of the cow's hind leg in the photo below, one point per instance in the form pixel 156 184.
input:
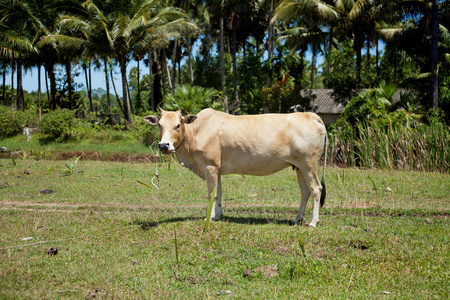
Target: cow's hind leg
pixel 313 187
pixel 305 196
pixel 213 180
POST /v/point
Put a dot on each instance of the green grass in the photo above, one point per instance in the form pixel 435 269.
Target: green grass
pixel 117 236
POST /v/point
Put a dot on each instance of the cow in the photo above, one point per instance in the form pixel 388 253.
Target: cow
pixel 214 143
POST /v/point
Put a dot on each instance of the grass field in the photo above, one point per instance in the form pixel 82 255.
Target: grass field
pixel 383 234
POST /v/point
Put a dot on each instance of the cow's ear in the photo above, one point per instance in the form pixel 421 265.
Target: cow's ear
pixel 189 119
pixel 161 111
pixel 152 120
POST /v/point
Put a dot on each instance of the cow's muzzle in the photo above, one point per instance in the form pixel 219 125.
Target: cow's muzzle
pixel 165 148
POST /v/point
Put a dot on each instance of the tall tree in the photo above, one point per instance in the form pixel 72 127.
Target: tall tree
pixel 353 19
pixel 126 27
pixel 434 55
pixel 17 41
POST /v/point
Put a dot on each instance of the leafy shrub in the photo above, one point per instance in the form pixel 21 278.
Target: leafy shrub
pixel 11 121
pixel 61 124
pixel 192 99
pixel 365 107
pixel 143 131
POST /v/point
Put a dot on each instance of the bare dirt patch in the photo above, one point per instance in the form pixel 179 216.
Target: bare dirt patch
pixel 116 157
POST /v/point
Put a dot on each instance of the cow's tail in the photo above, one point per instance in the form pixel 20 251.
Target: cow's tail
pixel 324 190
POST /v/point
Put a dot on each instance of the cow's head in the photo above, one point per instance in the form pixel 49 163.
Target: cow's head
pixel 171 128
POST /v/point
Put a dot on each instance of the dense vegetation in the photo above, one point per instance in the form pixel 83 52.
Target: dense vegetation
pixel 239 56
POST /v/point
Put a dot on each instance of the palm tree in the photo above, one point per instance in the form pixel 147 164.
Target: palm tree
pixel 39 18
pixel 235 14
pixel 353 19
pixel 310 19
pixel 424 19
pixel 126 27
pixel 217 9
pixel 434 55
pixel 16 42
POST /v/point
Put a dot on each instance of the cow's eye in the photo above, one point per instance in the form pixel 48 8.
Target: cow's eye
pixel 177 127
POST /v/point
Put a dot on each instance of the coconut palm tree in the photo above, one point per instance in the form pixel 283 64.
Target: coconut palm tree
pixel 16 42
pixel 125 27
pixel 352 19
pixel 423 16
pixel 38 19
pixel 308 22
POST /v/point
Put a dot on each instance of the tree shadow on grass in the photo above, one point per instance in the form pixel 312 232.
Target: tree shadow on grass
pixel 256 220
pixel 148 224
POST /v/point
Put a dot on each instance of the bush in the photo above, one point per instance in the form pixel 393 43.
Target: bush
pixel 192 99
pixel 365 107
pixel 61 124
pixel 12 121
pixel 144 132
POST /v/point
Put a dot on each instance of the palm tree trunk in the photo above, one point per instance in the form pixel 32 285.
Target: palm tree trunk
pixel 179 72
pixel 358 68
pixel 46 85
pixel 302 63
pixel 13 69
pixel 69 83
pixel 174 65
pixel 237 109
pixel 377 59
pixel 39 92
pixel 150 72
pixel 90 82
pixel 222 69
pixel 162 69
pixel 130 101
pixel 164 59
pixel 126 101
pixel 330 47
pixel 20 97
pixel 108 96
pixel 368 52
pixel 157 93
pixel 4 84
pixel 434 55
pixel 270 44
pixel 368 61
pixel 313 65
pixel 114 87
pixel 52 77
pixel 88 87
pixel 188 47
pixel 139 104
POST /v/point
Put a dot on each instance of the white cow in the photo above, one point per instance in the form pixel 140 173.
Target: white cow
pixel 214 143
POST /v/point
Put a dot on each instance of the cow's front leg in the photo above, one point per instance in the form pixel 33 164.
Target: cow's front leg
pixel 213 180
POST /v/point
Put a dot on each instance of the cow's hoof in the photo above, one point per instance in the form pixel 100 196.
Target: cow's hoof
pixel 310 225
pixel 215 219
pixel 295 223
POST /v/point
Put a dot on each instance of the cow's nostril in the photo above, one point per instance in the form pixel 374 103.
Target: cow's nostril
pixel 163 146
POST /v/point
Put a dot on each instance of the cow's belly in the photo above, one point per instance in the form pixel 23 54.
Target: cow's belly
pixel 258 166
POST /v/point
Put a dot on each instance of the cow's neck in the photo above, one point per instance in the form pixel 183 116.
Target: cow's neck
pixel 185 155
